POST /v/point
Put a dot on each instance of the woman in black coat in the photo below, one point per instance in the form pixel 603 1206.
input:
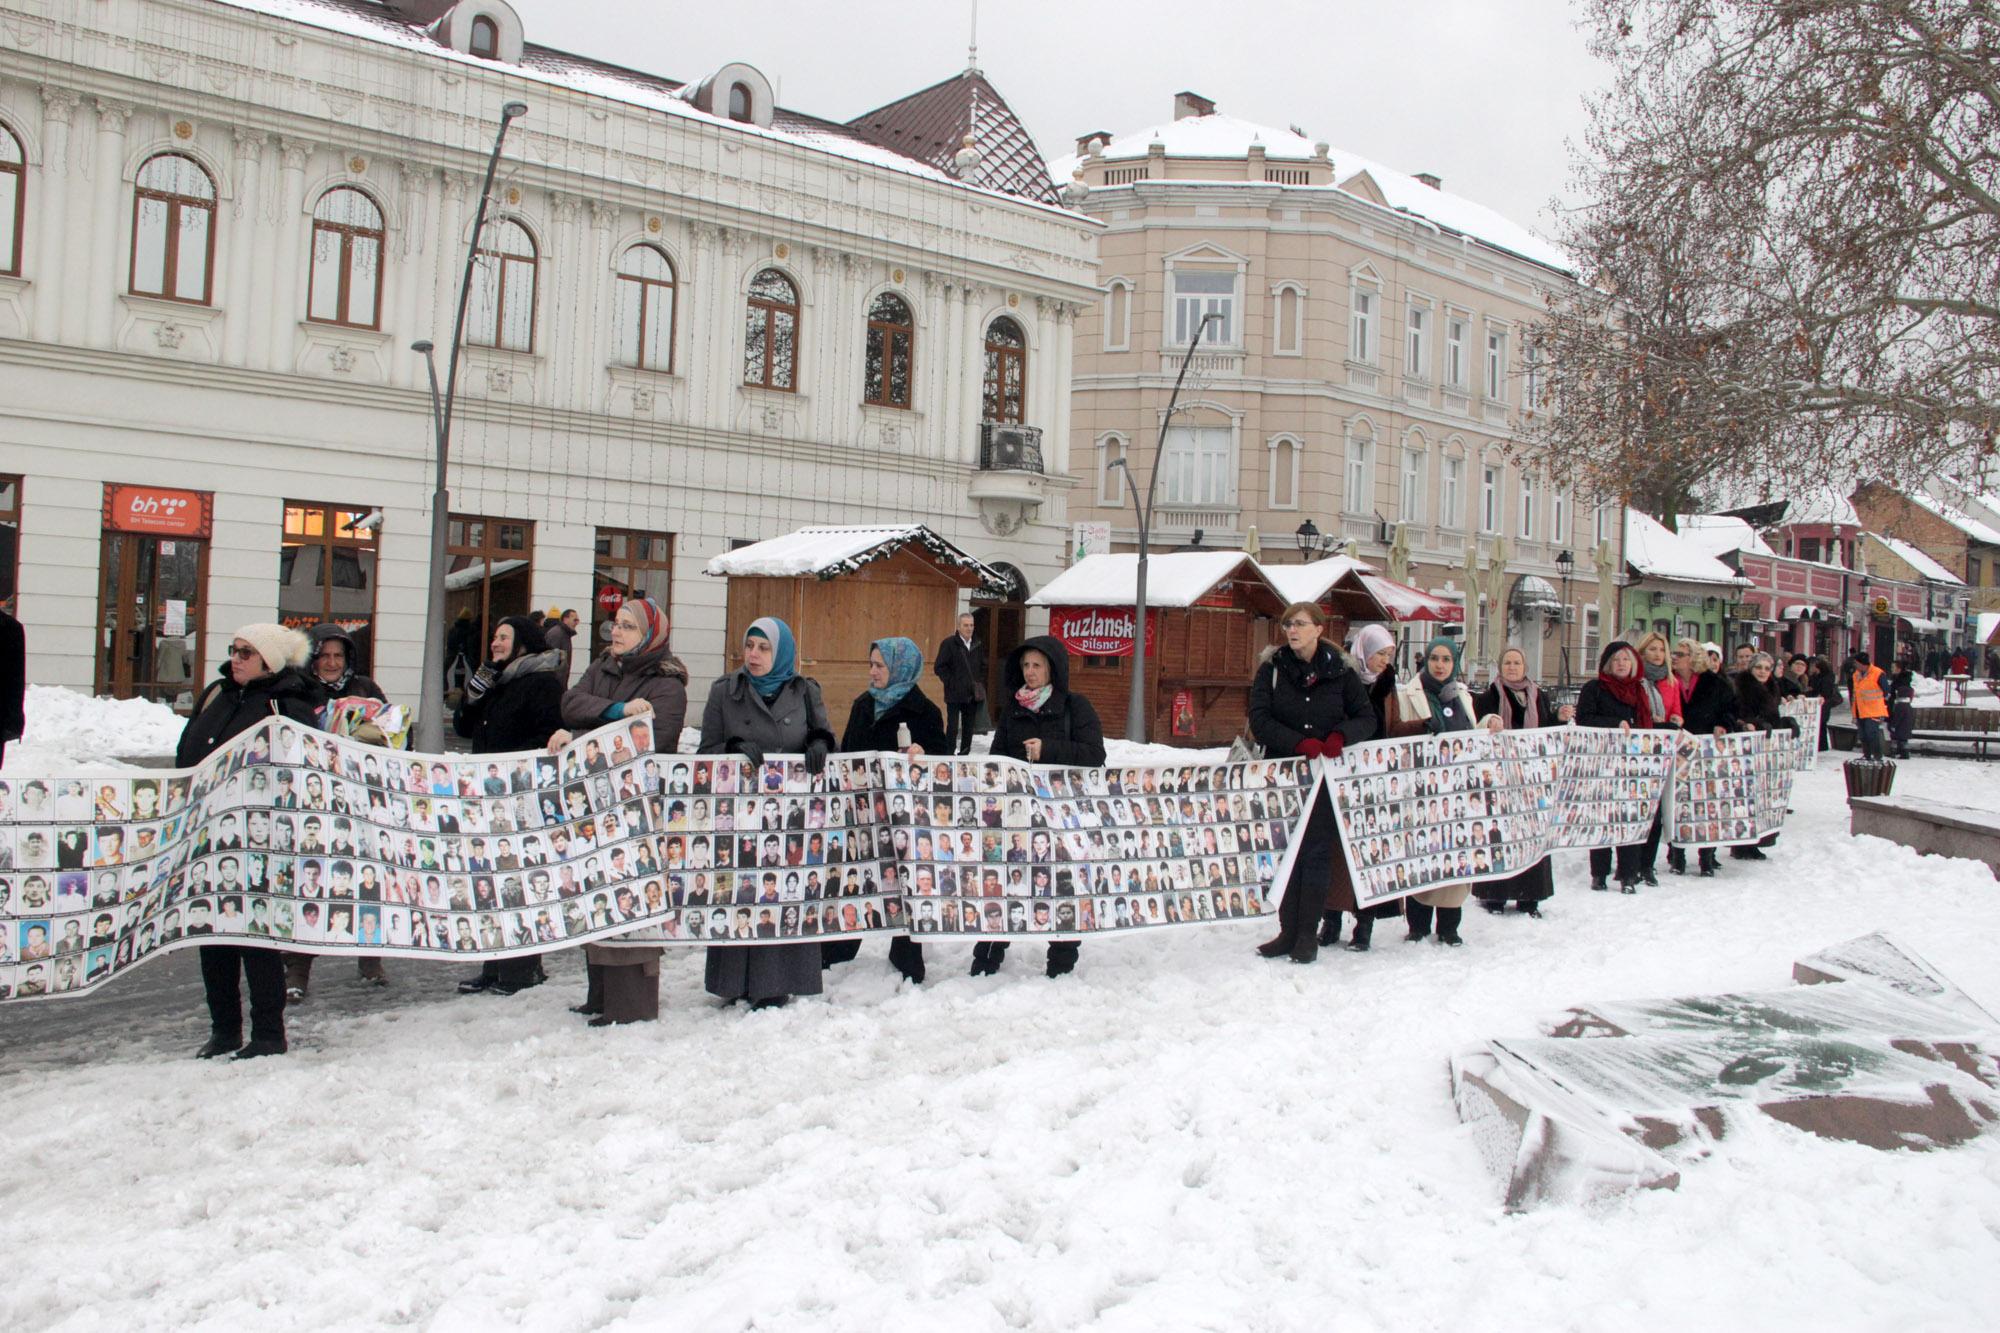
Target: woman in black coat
pixel 1307 701
pixel 1758 696
pixel 1618 699
pixel 891 714
pixel 1043 723
pixel 1519 703
pixel 264 677
pixel 512 702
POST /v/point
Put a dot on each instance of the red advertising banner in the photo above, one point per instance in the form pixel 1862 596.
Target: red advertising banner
pixel 1100 631
pixel 157 511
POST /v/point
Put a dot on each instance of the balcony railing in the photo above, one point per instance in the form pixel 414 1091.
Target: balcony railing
pixel 1005 447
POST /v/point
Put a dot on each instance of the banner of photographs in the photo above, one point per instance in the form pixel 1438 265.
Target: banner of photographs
pixel 1432 811
pixel 1805 709
pixel 324 844
pixel 1729 790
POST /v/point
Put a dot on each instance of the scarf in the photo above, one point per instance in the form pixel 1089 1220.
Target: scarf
pixel 1530 703
pixel 1368 641
pixel 1032 700
pixel 1650 677
pixel 906 662
pixel 1437 723
pixel 784 656
pixel 1628 690
pixel 654 619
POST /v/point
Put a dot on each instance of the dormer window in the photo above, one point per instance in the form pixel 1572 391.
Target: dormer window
pixel 485 39
pixel 735 92
pixel 740 102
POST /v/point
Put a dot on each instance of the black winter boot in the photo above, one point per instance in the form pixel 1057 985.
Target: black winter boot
pixel 1677 860
pixel 907 956
pixel 262 1046
pixel 1707 862
pixel 1599 884
pixel 219 1043
pixel 1364 933
pixel 1329 930
pixel 1062 958
pixel 1419 917
pixel 1448 919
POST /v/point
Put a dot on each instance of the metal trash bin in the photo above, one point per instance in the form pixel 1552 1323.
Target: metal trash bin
pixel 1869 777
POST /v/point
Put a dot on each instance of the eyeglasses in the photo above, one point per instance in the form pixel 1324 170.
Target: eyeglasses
pixel 1298 624
pixel 1680 654
pixel 242 654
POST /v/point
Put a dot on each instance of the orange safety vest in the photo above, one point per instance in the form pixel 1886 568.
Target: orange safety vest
pixel 1868 701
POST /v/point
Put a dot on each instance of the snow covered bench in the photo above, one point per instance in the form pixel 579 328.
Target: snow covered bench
pixel 1932 827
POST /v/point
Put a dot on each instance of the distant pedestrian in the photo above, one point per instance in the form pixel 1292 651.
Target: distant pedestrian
pixel 13 682
pixel 961 666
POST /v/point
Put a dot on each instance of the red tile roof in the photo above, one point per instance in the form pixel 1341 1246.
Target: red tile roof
pixel 931 126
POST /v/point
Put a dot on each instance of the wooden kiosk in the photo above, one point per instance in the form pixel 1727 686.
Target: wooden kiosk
pixel 1208 616
pixel 840 589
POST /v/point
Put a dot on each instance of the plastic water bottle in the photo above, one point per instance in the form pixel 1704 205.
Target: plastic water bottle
pixel 902 735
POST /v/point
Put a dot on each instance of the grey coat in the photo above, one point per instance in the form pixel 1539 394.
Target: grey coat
pixel 737 713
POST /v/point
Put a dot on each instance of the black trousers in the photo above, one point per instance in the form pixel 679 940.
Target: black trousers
pixel 1633 857
pixel 1312 875
pixel 958 725
pixel 223 967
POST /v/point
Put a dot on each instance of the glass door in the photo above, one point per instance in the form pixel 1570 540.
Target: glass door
pixel 150 612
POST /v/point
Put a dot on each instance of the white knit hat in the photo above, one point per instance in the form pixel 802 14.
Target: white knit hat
pixel 278 646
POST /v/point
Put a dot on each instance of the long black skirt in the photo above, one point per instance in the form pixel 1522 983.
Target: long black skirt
pixel 763 971
pixel 1532 885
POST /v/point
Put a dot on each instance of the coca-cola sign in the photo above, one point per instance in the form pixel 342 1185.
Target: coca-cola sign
pixel 1099 631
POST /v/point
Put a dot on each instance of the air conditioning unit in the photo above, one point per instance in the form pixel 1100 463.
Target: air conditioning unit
pixel 1010 448
pixel 1385 531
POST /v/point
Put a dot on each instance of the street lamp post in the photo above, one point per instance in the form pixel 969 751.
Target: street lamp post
pixel 1313 543
pixel 428 734
pixel 1135 705
pixel 1565 565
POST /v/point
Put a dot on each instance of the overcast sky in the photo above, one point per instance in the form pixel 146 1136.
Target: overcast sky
pixel 1483 92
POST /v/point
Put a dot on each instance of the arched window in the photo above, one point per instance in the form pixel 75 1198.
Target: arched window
pixel 891 342
pixel 1284 493
pixel 173 230
pixel 771 332
pixel 503 288
pixel 1118 315
pixel 1004 397
pixel 1110 479
pixel 13 200
pixel 485 41
pixel 646 309
pixel 346 276
pixel 740 103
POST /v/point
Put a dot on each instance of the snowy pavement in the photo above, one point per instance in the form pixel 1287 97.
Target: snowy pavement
pixel 1179 1136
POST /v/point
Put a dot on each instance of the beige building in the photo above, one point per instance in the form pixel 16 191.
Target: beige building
pixel 1366 374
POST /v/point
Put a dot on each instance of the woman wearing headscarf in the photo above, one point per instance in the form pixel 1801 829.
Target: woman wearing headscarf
pixel 263 677
pixel 512 702
pixel 1617 699
pixel 1043 723
pixel 1308 702
pixel 1372 655
pixel 891 714
pixel 765 707
pixel 1757 706
pixel 1435 702
pixel 638 676
pixel 1517 702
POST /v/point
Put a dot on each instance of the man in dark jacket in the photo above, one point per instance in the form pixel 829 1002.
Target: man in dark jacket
pixel 1042 722
pixel 13 682
pixel 961 666
pixel 513 702
pixel 264 677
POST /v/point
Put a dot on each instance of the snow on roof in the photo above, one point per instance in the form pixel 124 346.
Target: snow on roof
pixel 1917 560
pixel 1955 516
pixel 1654 552
pixel 1821 505
pixel 1719 534
pixel 1230 138
pixel 830 552
pixel 579 74
pixel 1309 582
pixel 1989 626
pixel 1179 579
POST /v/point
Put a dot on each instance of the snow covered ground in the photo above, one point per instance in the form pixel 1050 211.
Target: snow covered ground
pixel 1179 1136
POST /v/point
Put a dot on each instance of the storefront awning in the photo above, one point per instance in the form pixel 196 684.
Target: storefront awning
pixel 1534 594
pixel 1919 625
pixel 1407 603
pixel 1802 611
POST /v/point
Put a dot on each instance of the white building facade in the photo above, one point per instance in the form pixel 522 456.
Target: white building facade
pixel 699 320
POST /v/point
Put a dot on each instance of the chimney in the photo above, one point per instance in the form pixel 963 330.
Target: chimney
pixel 420 13
pixel 1435 182
pixel 1192 104
pixel 1086 144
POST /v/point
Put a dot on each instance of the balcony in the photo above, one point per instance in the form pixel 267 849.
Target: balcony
pixel 1210 522
pixel 1009 486
pixel 1206 365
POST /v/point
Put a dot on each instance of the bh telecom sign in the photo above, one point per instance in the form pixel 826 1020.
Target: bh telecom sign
pixel 157 511
pixel 1100 631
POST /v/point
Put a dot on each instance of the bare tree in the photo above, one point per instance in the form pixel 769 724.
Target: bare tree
pixel 1789 246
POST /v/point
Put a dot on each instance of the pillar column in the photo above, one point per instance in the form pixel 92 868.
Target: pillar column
pixel 409 278
pixel 107 259
pixel 49 243
pixel 239 296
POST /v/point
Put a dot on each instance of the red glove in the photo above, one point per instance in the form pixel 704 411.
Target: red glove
pixel 1331 747
pixel 1311 749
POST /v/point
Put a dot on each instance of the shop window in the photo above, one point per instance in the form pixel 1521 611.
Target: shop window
pixel 326 570
pixel 10 544
pixel 489 572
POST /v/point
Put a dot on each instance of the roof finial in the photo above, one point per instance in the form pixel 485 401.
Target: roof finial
pixel 972 47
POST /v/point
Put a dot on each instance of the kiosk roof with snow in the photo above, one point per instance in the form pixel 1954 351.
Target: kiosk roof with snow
pixel 830 553
pixel 1174 581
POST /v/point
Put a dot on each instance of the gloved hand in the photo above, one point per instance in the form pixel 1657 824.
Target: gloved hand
pixel 482 680
pixel 1310 749
pixel 748 749
pixel 816 750
pixel 1331 747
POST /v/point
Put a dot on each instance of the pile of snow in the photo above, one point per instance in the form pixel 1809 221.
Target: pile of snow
pixel 72 732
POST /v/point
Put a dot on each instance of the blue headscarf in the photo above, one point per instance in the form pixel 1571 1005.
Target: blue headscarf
pixel 906 663
pixel 784 657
